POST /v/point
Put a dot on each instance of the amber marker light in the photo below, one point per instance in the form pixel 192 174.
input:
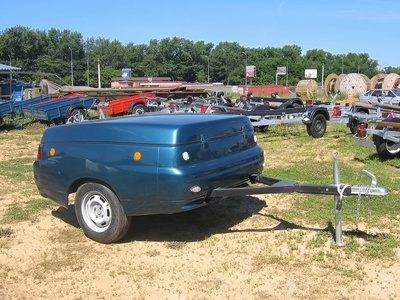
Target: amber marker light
pixel 52 151
pixel 137 156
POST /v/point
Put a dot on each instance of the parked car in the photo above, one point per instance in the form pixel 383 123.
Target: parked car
pixel 388 96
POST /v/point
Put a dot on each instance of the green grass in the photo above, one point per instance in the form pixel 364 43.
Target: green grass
pixel 17 169
pixel 6 231
pixel 17 211
pixel 310 161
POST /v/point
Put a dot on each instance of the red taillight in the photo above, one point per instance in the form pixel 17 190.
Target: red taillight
pixel 266 103
pixel 39 153
pixel 309 102
pixel 204 108
pixel 336 112
pixel 361 130
pixel 387 115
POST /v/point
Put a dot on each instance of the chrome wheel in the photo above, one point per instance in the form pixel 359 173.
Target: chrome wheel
pixel 96 212
pixel 77 115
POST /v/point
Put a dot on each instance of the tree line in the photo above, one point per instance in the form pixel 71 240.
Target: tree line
pixel 73 59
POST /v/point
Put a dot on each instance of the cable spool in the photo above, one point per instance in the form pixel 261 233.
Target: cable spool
pixel 377 81
pixel 367 81
pixel 354 83
pixel 390 80
pixel 307 87
pixel 336 87
pixel 329 84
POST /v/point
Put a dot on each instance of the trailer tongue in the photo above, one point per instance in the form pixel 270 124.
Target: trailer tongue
pixel 337 189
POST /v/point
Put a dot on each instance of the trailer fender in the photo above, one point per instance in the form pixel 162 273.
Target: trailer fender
pixel 292 103
pixel 72 108
pixel 313 111
pixel 137 107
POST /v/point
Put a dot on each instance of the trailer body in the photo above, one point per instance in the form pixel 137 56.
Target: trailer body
pixel 157 164
pixel 61 108
pixel 125 105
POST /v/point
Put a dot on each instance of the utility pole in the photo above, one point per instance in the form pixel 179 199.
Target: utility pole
pixel 208 69
pixel 9 55
pixel 72 68
pixel 287 71
pixel 87 67
pixel 98 71
pixel 245 71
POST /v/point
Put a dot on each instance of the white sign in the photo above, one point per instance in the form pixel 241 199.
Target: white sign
pixel 281 70
pixel 310 73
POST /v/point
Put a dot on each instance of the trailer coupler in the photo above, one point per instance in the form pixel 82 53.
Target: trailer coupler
pixel 337 189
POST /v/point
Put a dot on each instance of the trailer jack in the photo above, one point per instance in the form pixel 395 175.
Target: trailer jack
pixel 337 189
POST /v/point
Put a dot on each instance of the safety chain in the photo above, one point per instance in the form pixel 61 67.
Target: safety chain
pixel 364 189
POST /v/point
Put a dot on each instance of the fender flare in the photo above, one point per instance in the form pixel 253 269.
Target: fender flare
pixel 315 110
pixel 134 103
pixel 292 103
pixel 72 108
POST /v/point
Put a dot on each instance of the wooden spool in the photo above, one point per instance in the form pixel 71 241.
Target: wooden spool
pixel 367 81
pixel 329 84
pixel 354 84
pixel 390 80
pixel 377 80
pixel 307 87
pixel 336 87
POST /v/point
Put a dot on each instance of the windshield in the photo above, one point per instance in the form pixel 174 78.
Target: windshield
pixel 396 92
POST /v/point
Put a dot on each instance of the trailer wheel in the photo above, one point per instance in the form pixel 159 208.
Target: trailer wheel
pixel 77 115
pixel 355 122
pixel 138 109
pixel 263 128
pixel 100 214
pixel 317 128
pixel 382 147
pixel 354 126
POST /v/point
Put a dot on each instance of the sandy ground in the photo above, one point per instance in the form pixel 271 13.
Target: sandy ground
pixel 234 248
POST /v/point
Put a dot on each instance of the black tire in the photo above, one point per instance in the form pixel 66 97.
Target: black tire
pixel 100 213
pixel 138 109
pixel 76 115
pixel 355 122
pixel 263 128
pixel 381 149
pixel 354 126
pixel 317 128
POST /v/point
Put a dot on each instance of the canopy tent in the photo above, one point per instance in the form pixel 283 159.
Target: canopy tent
pixel 8 68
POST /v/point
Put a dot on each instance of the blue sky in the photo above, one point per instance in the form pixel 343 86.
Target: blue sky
pixel 338 27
